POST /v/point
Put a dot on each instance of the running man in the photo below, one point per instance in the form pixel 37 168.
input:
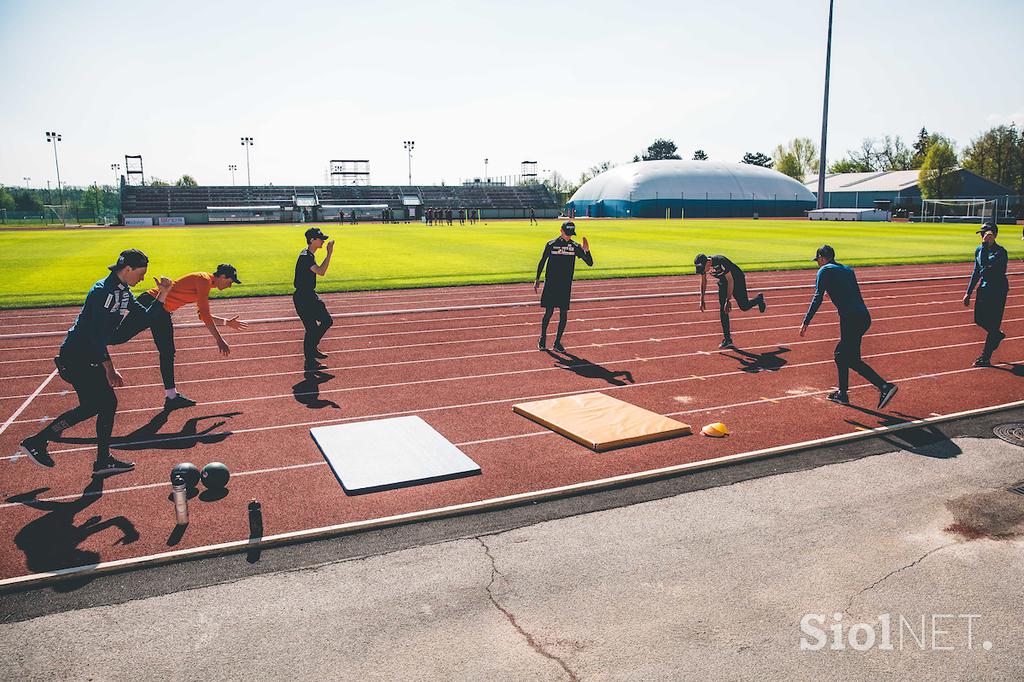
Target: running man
pixel 732 284
pixel 85 363
pixel 195 288
pixel 990 261
pixel 308 305
pixel 840 283
pixel 560 255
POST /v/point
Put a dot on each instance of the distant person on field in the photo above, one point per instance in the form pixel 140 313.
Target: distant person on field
pixel 533 216
pixel 839 282
pixel 560 256
pixel 308 305
pixel 85 363
pixel 732 285
pixel 194 287
pixel 990 261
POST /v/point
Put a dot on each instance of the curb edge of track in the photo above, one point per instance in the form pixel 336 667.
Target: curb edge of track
pixel 39 580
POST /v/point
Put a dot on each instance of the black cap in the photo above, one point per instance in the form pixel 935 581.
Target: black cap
pixel 700 262
pixel 315 233
pixel 825 251
pixel 988 227
pixel 569 227
pixel 132 258
pixel 228 271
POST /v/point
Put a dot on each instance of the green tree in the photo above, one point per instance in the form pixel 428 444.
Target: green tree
pixel 700 155
pixel 848 165
pixel 798 158
pixel 893 154
pixel 6 199
pixel 998 154
pixel 936 177
pixel 757 159
pixel 920 147
pixel 157 182
pixel 661 149
pixel 27 202
pixel 186 181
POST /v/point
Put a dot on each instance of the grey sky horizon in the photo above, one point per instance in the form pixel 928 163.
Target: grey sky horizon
pixel 568 84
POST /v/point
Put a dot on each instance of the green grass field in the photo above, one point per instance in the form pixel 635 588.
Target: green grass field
pixel 48 267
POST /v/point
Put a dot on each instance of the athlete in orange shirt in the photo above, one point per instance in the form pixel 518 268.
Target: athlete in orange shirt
pixel 195 288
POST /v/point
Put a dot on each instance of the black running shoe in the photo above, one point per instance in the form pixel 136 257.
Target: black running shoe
pixel 727 343
pixel 761 305
pixel 319 354
pixel 313 365
pixel 839 397
pixel 35 449
pixel 177 402
pixel 885 394
pixel 111 465
pixel 982 362
pixel 542 344
pixel 558 347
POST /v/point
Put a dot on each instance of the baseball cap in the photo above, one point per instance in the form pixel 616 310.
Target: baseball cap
pixel 825 251
pixel 700 262
pixel 315 233
pixel 132 258
pixel 569 227
pixel 228 271
pixel 988 227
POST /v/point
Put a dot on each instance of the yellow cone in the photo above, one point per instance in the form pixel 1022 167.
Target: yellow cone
pixel 716 430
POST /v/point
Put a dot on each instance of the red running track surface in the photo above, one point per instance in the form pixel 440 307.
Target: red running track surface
pixel 461 369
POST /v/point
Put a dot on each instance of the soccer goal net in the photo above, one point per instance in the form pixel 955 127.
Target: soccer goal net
pixel 59 213
pixel 957 210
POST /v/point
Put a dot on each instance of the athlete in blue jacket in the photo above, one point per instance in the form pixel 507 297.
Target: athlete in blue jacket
pixel 989 275
pixel 839 282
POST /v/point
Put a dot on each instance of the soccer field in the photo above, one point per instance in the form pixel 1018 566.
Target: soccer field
pixel 55 267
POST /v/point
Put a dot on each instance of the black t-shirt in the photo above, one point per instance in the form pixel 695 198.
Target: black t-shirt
pixel 305 279
pixel 560 257
pixel 721 265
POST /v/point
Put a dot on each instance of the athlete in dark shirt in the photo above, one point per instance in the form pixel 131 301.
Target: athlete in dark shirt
pixel 732 284
pixel 308 305
pixel 840 283
pixel 989 275
pixel 85 363
pixel 560 256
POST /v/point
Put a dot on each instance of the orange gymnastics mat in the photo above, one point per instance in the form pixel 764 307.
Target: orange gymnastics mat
pixel 601 422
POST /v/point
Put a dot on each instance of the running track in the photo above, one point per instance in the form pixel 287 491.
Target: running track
pixel 459 358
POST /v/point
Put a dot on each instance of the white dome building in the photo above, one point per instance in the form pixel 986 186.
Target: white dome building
pixel 701 189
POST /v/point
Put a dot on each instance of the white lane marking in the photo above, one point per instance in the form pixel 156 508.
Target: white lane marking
pixel 13 417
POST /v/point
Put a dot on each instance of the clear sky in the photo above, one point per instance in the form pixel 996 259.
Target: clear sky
pixel 569 84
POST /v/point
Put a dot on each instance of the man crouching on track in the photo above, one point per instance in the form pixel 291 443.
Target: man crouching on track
pixel 85 363
pixel 195 288
pixel 732 284
pixel 308 305
pixel 560 254
pixel 839 282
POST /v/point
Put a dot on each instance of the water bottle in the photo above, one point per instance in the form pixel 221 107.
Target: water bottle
pixel 255 520
pixel 180 493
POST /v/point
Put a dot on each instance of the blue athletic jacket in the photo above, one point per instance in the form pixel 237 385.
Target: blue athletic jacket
pixel 839 282
pixel 106 304
pixel 989 268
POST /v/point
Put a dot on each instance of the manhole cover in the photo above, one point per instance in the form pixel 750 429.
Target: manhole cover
pixel 1011 433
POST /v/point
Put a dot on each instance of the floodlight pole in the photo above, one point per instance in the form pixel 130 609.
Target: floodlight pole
pixel 232 167
pixel 408 146
pixel 55 138
pixel 246 142
pixel 824 112
pixel 116 167
pixel 485 169
pixel 26 181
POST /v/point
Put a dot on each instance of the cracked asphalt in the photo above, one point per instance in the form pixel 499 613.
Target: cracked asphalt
pixel 705 577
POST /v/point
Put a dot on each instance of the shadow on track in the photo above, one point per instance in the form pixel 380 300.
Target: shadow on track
pixel 927 441
pixel 148 436
pixel 307 391
pixel 589 370
pixel 753 363
pixel 51 541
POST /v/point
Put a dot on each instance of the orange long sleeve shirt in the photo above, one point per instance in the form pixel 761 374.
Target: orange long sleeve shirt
pixel 192 288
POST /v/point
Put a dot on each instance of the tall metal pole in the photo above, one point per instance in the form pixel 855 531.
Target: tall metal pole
pixel 408 145
pixel 55 138
pixel 485 169
pixel 116 167
pixel 232 167
pixel 247 142
pixel 26 182
pixel 824 112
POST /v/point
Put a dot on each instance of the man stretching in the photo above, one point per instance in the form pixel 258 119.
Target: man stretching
pixel 195 288
pixel 308 305
pixel 839 282
pixel 560 255
pixel 732 284
pixel 85 363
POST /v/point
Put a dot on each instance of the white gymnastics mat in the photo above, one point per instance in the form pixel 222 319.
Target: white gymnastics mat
pixel 378 455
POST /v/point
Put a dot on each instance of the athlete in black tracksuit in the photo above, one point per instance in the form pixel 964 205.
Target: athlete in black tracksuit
pixel 560 256
pixel 990 261
pixel 840 283
pixel 308 305
pixel 732 284
pixel 85 363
